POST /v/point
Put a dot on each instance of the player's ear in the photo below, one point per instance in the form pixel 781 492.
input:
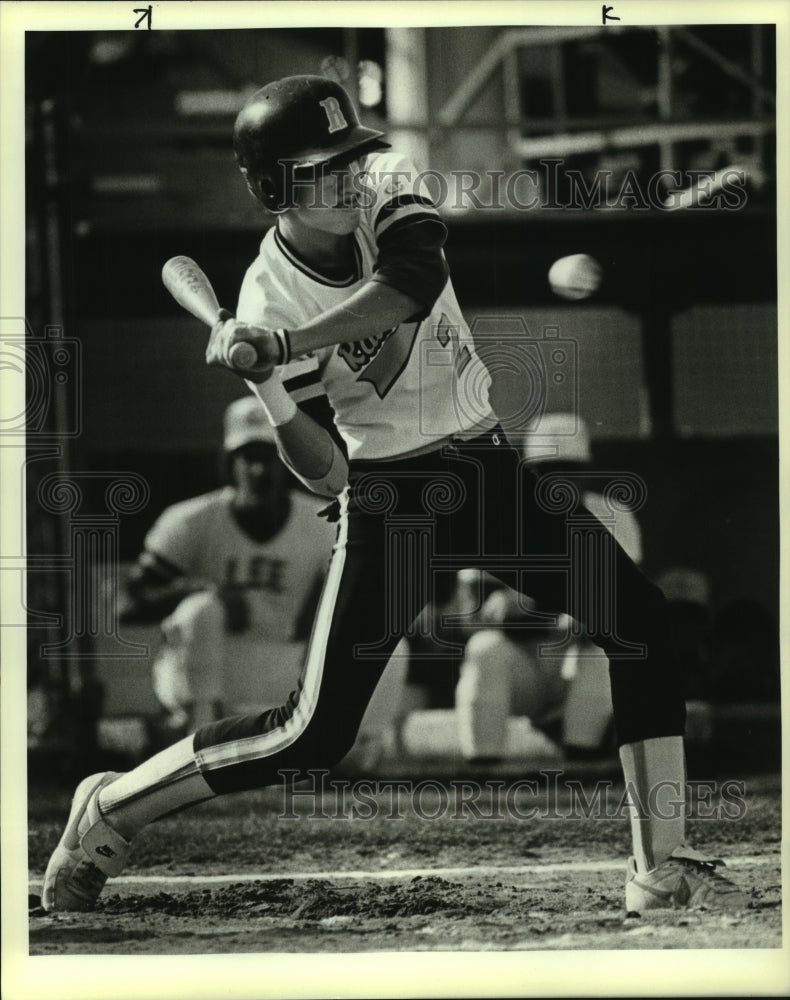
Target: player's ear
pixel 225 468
pixel 264 190
pixel 270 196
pixel 252 186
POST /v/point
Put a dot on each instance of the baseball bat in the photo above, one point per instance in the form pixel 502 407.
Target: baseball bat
pixel 190 287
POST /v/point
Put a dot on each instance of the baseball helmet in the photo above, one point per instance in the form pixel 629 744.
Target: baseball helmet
pixel 297 124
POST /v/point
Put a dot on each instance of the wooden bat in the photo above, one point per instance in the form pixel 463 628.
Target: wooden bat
pixel 190 287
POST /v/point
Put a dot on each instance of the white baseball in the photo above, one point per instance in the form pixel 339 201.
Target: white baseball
pixel 575 277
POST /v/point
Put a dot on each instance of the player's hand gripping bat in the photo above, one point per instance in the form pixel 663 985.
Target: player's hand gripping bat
pixel 190 287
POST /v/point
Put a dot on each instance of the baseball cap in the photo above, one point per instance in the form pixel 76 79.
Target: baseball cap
pixel 245 421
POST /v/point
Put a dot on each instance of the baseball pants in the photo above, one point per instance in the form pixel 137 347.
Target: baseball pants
pixel 470 504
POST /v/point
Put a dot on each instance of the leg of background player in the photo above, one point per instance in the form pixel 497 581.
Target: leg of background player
pixel 499 678
pixel 587 712
pixel 483 695
pixel 187 673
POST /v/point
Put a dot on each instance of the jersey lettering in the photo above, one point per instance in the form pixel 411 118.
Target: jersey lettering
pixel 357 354
pixel 382 357
pixel 267 573
pixel 334 114
pixel 263 573
pixel 383 372
pixel 446 332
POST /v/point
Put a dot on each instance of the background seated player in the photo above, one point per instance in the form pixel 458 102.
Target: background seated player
pixel 506 670
pixel 234 574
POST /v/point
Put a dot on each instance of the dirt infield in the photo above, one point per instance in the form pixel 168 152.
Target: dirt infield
pixel 424 913
pixel 266 872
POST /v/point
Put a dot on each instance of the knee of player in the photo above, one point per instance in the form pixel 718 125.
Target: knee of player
pixel 201 613
pixel 485 669
pixel 641 617
pixel 486 651
pixel 324 742
pixel 335 747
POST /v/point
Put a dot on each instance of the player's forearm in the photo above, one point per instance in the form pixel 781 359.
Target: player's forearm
pixel 314 458
pixel 305 447
pixel 372 309
pixel 154 598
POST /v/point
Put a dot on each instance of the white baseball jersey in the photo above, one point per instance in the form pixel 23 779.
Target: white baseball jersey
pixel 200 537
pixel 398 391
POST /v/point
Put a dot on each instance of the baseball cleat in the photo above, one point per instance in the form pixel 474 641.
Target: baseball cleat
pixel 686 879
pixel 89 851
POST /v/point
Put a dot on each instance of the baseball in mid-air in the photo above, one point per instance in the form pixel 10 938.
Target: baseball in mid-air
pixel 575 277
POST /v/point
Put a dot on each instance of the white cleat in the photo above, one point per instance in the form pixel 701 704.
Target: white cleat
pixel 686 879
pixel 89 851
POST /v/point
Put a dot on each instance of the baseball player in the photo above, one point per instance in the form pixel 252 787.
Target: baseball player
pixel 352 278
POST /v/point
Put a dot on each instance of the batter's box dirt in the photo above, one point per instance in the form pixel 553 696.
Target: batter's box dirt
pixel 320 900
pixel 423 913
pixel 346 886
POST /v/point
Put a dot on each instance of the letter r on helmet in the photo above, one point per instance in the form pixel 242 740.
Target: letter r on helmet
pixel 334 114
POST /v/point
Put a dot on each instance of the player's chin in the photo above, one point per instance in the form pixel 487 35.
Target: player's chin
pixel 343 220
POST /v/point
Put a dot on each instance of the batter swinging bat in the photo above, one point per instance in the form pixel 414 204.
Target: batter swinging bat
pixel 190 287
